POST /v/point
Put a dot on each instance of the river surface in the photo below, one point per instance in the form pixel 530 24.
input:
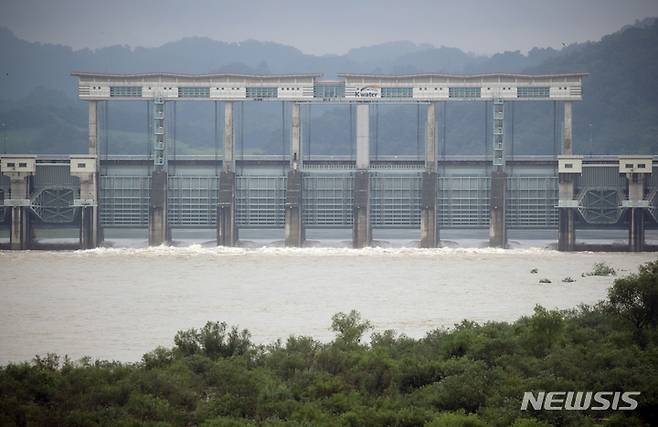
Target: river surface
pixel 118 303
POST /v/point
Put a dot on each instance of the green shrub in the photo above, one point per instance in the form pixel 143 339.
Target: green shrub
pixel 602 269
pixel 456 419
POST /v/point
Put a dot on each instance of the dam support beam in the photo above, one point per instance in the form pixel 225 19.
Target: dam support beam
pixel 429 229
pixel 159 232
pixel 638 170
pixel 93 128
pixel 294 232
pixel 569 166
pixel 566 230
pixel 294 221
pixel 498 191
pixel 636 214
pixel 20 234
pixel 19 169
pixel 20 237
pixel 158 226
pixel 227 229
pixel 567 144
pixel 94 234
pixel 85 168
pixel 361 232
pixel 636 230
pixel 497 226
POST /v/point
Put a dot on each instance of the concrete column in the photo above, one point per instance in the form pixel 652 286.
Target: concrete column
pixel 93 128
pixel 429 232
pixel 20 234
pixel 90 234
pixel 295 138
pixel 497 226
pixel 361 232
pixel 636 240
pixel 158 224
pixel 229 151
pixel 566 218
pixel 566 226
pixel 294 219
pixel 498 190
pixel 636 215
pixel 362 136
pixel 227 230
pixel 568 133
pixel 159 232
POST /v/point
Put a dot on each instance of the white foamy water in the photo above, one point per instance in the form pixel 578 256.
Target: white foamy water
pixel 121 303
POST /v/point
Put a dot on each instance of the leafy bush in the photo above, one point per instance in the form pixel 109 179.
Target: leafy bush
pixel 602 269
pixel 213 340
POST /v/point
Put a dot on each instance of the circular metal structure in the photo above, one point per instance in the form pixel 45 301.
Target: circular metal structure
pixel 601 205
pixel 53 205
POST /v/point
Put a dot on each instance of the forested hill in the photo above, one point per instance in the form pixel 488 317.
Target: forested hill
pixel 41 114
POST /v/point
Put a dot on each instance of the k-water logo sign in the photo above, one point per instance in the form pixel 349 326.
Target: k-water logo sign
pixel 580 400
pixel 367 92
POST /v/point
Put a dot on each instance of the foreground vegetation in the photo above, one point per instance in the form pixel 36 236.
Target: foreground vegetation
pixel 471 375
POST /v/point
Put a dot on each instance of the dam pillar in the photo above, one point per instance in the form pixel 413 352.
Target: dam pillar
pixel 498 192
pixel 497 226
pixel 361 232
pixel 429 232
pixel 19 169
pixel 227 230
pixel 92 217
pixel 569 168
pixel 637 169
pixel 294 218
pixel 159 232
pixel 93 127
pixel 84 167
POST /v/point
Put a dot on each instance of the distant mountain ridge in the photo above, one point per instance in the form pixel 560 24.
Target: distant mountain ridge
pixel 619 113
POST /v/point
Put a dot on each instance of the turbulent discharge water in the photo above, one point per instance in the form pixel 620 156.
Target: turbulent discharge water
pixel 120 303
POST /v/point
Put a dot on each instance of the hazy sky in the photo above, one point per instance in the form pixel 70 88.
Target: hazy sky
pixel 319 27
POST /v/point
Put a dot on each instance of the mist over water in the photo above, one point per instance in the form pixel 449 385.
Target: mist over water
pixel 118 303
